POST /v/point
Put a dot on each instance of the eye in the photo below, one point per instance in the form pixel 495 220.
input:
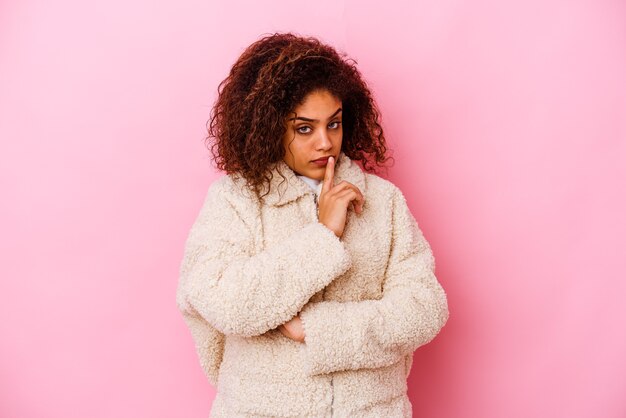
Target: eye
pixel 335 123
pixel 301 129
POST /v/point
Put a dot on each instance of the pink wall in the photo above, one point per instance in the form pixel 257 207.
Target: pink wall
pixel 508 121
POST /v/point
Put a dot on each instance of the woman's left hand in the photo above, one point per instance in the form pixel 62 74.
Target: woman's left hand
pixel 293 329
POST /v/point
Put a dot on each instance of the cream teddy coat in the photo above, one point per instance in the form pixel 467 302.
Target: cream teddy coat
pixel 367 300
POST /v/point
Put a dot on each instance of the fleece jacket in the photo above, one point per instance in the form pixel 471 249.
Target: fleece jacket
pixel 367 300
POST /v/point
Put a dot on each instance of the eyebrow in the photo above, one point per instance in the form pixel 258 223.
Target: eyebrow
pixel 315 120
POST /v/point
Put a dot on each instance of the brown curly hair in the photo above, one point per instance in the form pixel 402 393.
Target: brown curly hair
pixel 270 78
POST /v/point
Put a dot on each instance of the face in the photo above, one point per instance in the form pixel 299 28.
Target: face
pixel 314 131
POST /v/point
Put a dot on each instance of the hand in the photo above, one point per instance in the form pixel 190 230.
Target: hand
pixel 334 200
pixel 293 329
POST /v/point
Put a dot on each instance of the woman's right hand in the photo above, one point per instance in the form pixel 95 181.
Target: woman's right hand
pixel 334 201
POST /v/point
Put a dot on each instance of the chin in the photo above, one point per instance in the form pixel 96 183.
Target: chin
pixel 313 172
pixel 317 175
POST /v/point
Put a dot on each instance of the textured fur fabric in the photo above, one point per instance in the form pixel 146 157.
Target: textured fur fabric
pixel 367 301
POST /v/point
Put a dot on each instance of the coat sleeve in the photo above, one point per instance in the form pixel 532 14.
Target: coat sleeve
pixel 238 292
pixel 378 333
pixel 209 344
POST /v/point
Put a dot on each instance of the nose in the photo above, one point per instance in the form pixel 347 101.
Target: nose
pixel 323 141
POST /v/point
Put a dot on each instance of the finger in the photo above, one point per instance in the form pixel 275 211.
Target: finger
pixel 329 175
pixel 356 207
pixel 359 201
pixel 342 187
pixel 361 206
pixel 347 197
pixel 284 331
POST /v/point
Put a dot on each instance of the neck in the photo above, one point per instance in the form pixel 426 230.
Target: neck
pixel 310 181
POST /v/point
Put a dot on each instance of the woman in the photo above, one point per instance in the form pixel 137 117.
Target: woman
pixel 306 282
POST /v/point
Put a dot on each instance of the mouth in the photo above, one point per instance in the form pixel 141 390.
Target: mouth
pixel 323 160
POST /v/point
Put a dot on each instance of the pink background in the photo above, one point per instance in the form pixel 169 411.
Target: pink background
pixel 508 122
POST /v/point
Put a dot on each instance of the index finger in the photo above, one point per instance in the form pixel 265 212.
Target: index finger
pixel 329 175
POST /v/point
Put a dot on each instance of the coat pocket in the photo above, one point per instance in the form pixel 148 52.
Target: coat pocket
pixel 264 376
pixel 363 388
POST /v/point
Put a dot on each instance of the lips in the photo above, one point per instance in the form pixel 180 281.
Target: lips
pixel 323 159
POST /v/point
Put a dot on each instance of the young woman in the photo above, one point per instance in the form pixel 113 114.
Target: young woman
pixel 306 282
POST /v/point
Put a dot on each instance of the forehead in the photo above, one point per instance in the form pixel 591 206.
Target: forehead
pixel 318 104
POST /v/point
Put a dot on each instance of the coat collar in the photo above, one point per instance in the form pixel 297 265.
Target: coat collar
pixel 283 191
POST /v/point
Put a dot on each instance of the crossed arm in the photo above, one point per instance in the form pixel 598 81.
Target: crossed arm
pixel 236 292
pixel 244 294
pixel 377 333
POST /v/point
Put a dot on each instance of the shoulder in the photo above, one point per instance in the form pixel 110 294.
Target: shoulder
pixel 378 187
pixel 228 197
pixel 225 185
pixel 389 198
pixel 232 189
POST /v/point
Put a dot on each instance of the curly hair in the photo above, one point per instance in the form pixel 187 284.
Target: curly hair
pixel 272 77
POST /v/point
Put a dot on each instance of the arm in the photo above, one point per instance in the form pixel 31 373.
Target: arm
pixel 209 344
pixel 377 333
pixel 245 294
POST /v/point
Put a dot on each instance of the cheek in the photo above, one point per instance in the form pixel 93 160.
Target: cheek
pixel 286 141
pixel 303 152
pixel 299 150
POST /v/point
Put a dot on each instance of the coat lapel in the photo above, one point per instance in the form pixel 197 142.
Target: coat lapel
pixel 283 191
